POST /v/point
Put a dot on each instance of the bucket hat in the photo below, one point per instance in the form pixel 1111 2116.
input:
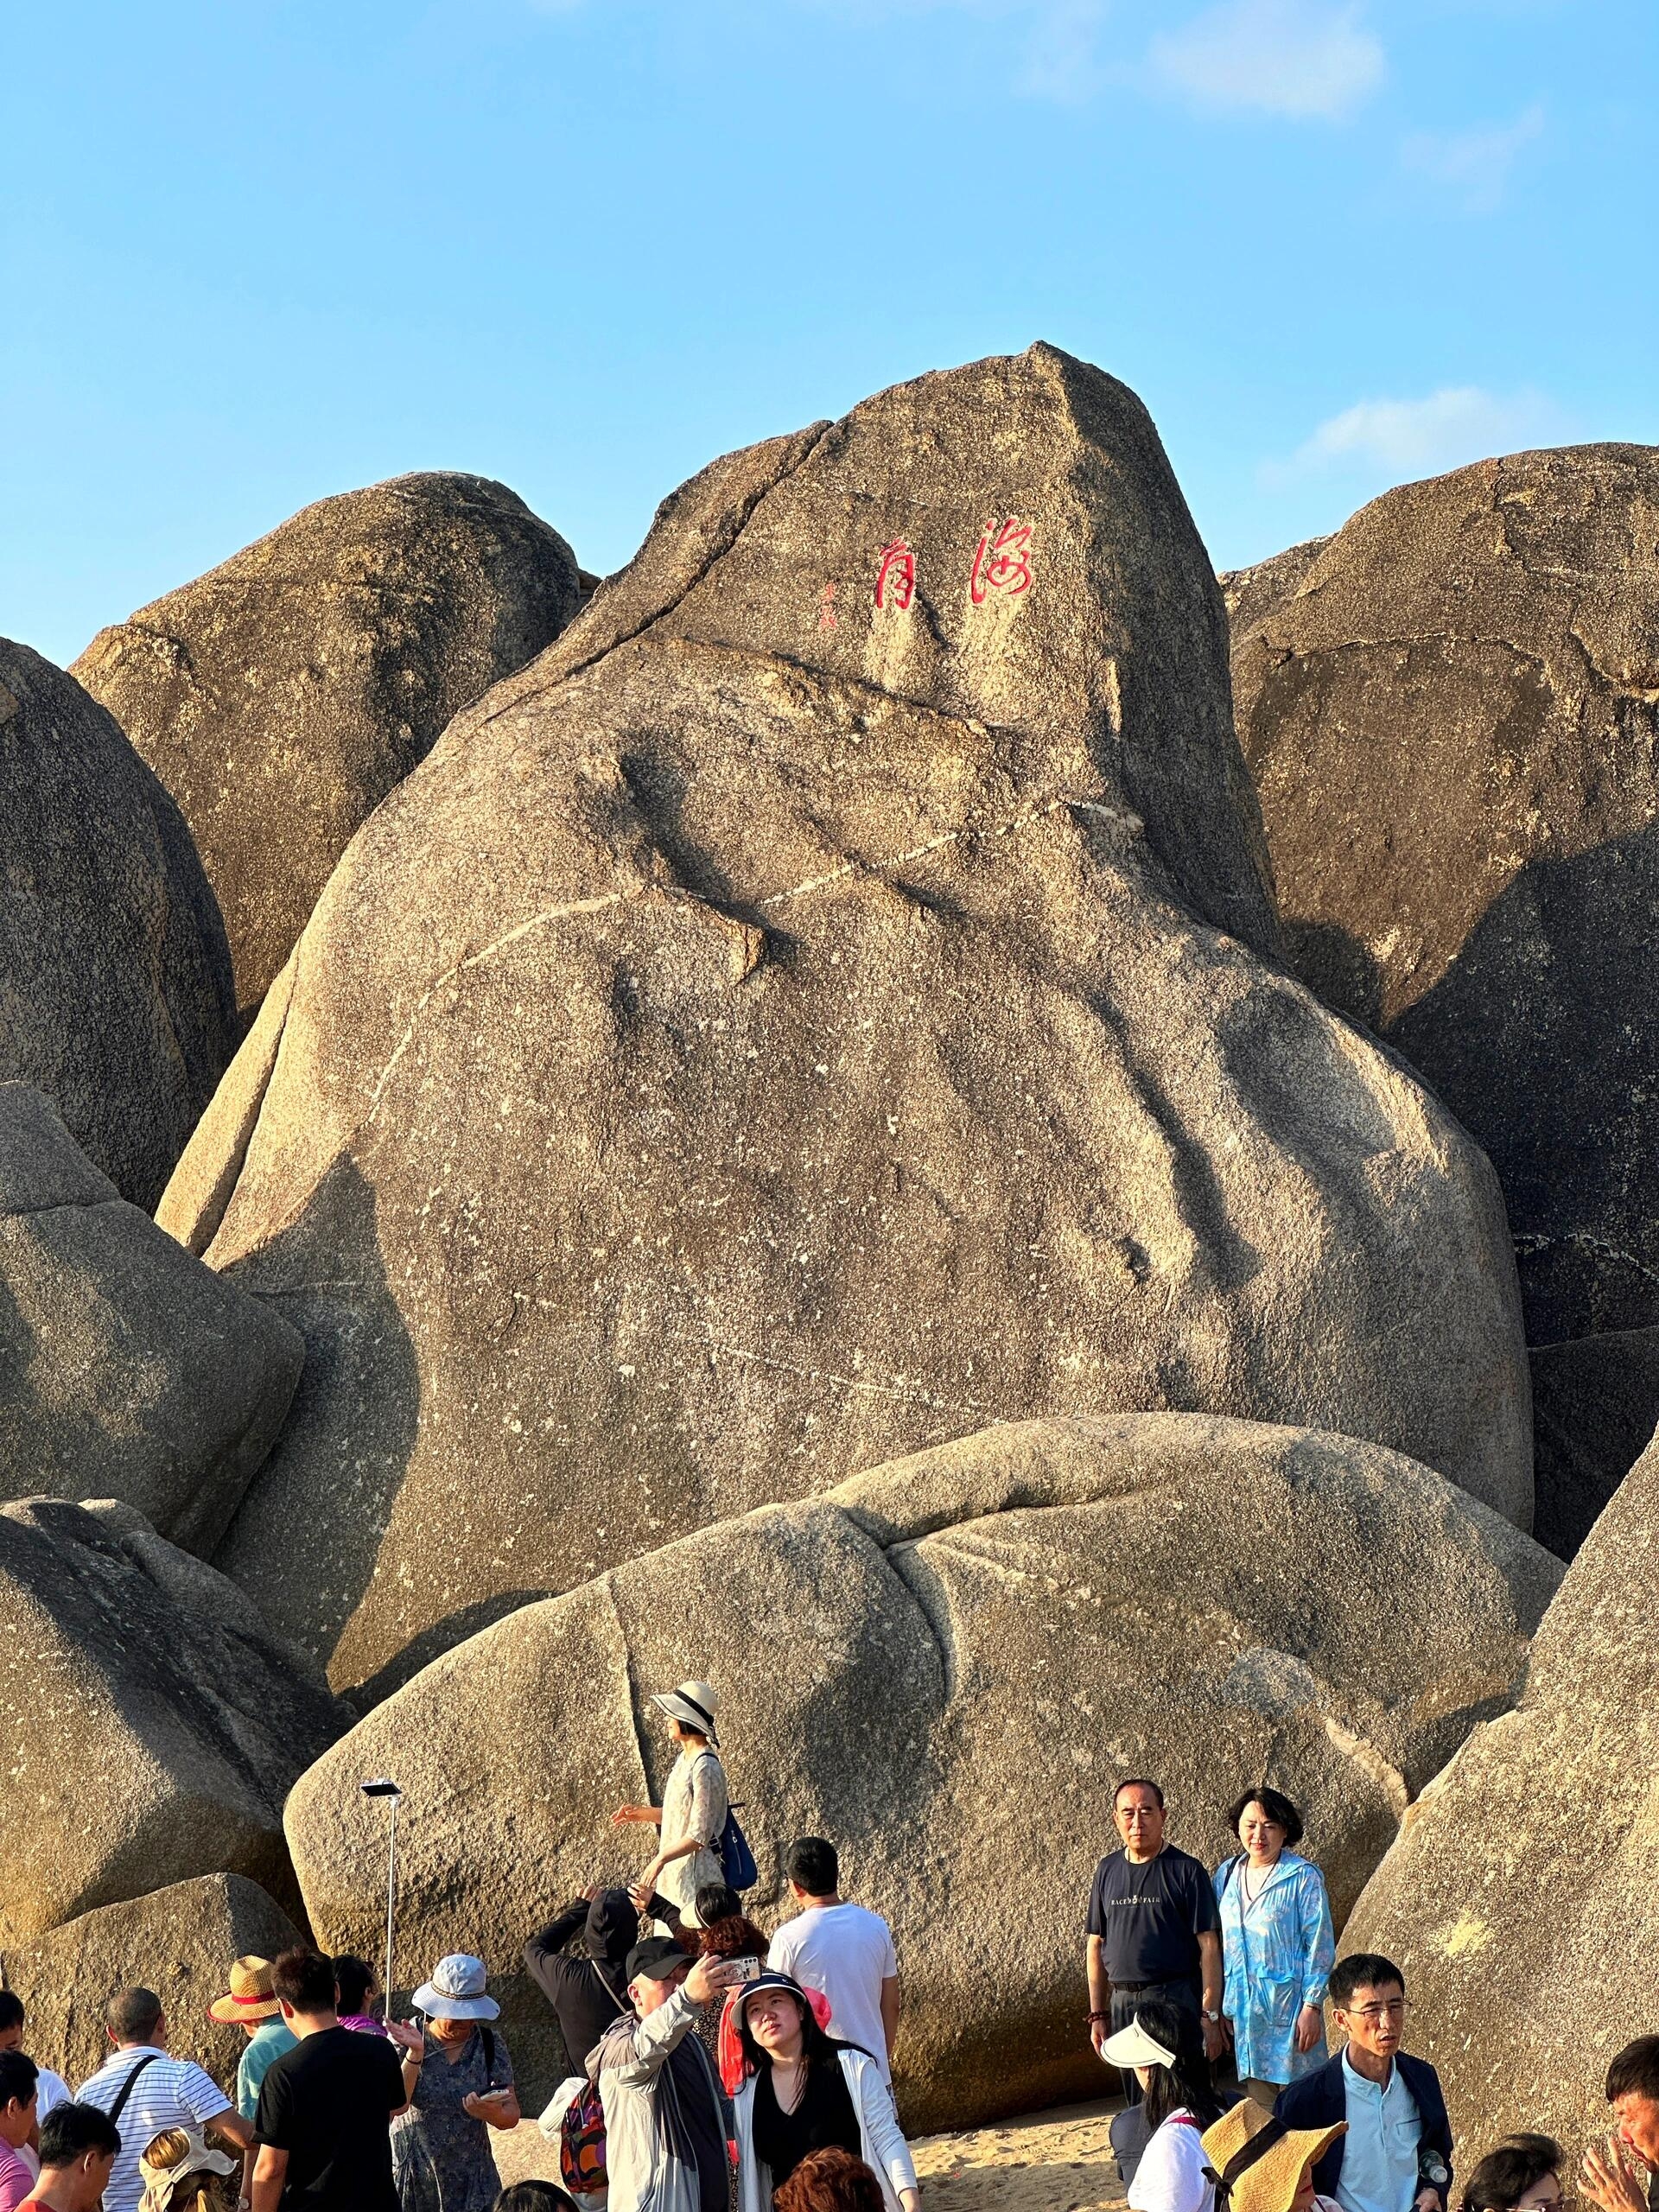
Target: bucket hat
pixel 456 1991
pixel 180 2151
pixel 1260 2160
pixel 250 1996
pixel 692 1703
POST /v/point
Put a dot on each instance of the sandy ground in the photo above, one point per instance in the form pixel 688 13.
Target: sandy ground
pixel 1056 2161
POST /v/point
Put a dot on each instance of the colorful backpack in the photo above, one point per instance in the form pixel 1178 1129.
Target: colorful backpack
pixel 581 2144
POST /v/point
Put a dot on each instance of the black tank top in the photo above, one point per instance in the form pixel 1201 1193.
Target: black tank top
pixel 823 2116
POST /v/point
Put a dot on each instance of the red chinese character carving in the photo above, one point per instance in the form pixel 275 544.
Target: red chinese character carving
pixel 827 608
pixel 899 564
pixel 1003 560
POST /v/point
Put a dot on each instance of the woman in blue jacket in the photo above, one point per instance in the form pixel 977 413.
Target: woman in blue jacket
pixel 1277 1945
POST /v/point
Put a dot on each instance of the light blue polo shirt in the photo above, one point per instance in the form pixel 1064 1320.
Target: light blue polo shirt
pixel 265 2046
pixel 1379 2153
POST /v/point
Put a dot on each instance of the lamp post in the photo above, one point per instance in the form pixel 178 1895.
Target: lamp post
pixel 391 1791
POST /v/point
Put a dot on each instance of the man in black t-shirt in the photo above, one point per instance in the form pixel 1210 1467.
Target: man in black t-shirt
pixel 326 2106
pixel 1154 1928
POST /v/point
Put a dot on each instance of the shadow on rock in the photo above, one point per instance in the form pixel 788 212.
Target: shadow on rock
pixel 306 1543
pixel 1338 968
pixel 1536 1038
pixel 1595 1405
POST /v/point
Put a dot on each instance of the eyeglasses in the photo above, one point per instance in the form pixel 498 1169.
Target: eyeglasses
pixel 1395 2009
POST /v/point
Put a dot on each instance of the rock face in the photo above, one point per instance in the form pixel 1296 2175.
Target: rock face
pixel 1520 1897
pixel 127 1369
pixel 945 1665
pixel 1595 1407
pixel 178 1942
pixel 115 977
pixel 1247 594
pixel 281 696
pixel 154 1723
pixel 1452 719
pixel 753 1048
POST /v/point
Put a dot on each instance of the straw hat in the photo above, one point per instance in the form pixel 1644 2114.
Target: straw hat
pixel 1268 2181
pixel 692 1704
pixel 250 1997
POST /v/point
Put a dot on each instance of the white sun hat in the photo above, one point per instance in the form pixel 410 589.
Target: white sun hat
pixel 692 1704
pixel 1133 2046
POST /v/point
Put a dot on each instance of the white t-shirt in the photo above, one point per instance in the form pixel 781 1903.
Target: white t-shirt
pixel 847 1954
pixel 1171 2175
pixel 50 2089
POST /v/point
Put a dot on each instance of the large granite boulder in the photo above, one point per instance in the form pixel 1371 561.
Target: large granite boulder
pixel 1595 1405
pixel 281 695
pixel 1522 1898
pixel 154 1724
pixel 127 1368
pixel 1453 719
pixel 115 977
pixel 751 1049
pixel 945 1665
pixel 179 1941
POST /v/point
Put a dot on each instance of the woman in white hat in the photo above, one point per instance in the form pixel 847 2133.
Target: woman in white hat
pixel 695 1804
pixel 1165 2047
pixel 803 2091
pixel 459 2077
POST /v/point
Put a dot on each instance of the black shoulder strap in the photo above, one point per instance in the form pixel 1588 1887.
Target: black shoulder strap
pixel 488 2036
pixel 1242 2160
pixel 605 1984
pixel 120 2104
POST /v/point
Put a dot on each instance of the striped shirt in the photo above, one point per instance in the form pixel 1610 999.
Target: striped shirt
pixel 170 2093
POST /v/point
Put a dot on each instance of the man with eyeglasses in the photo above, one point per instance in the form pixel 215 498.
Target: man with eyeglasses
pixel 1396 2155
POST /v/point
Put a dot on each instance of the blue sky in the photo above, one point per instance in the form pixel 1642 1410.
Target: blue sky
pixel 258 251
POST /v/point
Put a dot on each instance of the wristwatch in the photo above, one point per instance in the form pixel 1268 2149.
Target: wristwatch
pixel 1209 2015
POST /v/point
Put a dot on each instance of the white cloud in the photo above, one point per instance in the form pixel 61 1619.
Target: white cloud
pixel 1398 439
pixel 1286 57
pixel 1473 165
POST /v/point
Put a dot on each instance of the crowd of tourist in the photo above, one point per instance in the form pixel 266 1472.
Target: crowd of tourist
pixel 720 2071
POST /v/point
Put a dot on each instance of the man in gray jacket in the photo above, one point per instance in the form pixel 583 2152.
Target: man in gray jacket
pixel 665 2120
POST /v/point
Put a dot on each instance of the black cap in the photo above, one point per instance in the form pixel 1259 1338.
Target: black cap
pixel 657 1959
pixel 613 1925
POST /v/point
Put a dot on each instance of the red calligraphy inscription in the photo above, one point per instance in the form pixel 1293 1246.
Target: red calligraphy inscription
pixel 1003 560
pixel 827 608
pixel 896 576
